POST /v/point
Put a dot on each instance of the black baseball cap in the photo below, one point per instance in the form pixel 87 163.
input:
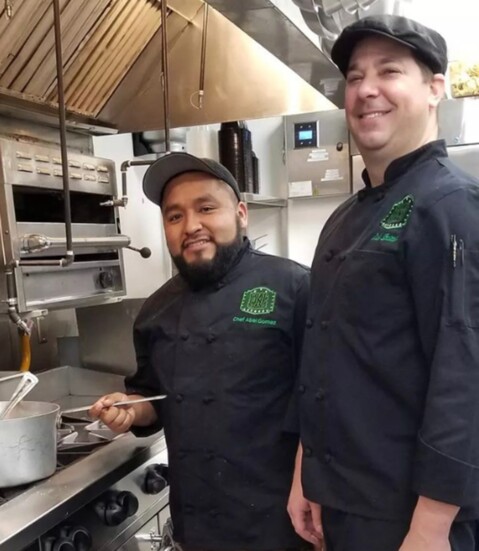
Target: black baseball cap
pixel 169 166
pixel 428 45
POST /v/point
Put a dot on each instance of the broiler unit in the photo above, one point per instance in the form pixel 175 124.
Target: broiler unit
pixel 33 229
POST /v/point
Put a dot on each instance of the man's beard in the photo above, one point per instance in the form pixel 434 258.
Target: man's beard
pixel 206 272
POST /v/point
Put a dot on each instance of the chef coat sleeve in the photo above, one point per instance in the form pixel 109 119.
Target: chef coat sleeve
pixel 443 266
pixel 142 382
pixel 299 318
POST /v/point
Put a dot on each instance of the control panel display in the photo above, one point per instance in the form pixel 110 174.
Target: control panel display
pixel 305 134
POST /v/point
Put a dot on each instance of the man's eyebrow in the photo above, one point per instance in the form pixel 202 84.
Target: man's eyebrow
pixel 206 197
pixel 201 199
pixel 169 208
pixel 382 61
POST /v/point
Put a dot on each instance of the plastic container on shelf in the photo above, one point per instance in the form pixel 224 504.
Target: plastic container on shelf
pixel 235 152
pixel 255 162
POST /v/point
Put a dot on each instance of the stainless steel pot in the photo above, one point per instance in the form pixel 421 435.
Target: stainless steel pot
pixel 28 440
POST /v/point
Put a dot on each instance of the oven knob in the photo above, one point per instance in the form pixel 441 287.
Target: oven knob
pixel 64 544
pixel 105 279
pixel 76 539
pixel 128 502
pixel 115 507
pixel 155 479
pixel 60 544
pixel 79 535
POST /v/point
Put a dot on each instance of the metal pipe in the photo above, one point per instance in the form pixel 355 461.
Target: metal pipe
pixel 150 538
pixel 201 91
pixel 164 68
pixel 12 302
pixel 123 201
pixel 69 257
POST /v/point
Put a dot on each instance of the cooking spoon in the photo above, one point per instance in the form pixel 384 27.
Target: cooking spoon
pixel 29 380
pixel 115 404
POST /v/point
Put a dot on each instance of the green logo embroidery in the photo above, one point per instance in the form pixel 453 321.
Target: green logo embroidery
pixel 388 237
pixel 255 321
pixel 399 214
pixel 257 301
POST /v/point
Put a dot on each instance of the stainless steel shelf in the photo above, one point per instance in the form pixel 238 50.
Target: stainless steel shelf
pixel 263 201
pixel 344 194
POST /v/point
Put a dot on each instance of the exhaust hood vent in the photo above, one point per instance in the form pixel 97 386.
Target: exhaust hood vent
pixel 101 42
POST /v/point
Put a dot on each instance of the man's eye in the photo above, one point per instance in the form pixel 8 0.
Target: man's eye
pixel 353 78
pixel 174 218
pixel 391 70
pixel 207 209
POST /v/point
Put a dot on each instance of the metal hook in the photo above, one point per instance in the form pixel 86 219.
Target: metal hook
pixel 9 8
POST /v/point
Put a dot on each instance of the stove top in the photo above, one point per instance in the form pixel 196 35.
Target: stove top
pixel 92 463
pixel 85 471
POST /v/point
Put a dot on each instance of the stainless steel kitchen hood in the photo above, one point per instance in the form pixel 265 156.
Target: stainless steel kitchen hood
pixel 301 32
pixel 112 65
pixel 290 35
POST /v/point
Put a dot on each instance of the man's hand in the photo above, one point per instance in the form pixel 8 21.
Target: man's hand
pixel 415 541
pixel 305 515
pixel 306 519
pixel 430 526
pixel 118 419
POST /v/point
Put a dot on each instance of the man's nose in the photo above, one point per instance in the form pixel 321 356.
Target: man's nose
pixel 192 223
pixel 368 87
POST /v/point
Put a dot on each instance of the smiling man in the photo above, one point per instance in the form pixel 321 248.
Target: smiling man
pixel 389 380
pixel 221 340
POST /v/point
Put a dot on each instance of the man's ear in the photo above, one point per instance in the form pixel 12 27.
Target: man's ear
pixel 242 211
pixel 437 89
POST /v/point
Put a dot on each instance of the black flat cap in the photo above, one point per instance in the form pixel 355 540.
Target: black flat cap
pixel 428 45
pixel 171 165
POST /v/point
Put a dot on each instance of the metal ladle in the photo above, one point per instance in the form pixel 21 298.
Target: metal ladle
pixel 28 381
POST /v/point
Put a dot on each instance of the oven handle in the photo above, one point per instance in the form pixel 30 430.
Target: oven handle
pixel 34 242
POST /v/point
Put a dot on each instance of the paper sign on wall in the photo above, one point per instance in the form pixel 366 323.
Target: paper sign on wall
pixel 301 189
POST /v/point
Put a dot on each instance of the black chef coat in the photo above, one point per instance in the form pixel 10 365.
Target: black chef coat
pixel 389 384
pixel 227 356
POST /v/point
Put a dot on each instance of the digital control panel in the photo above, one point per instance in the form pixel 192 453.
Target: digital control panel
pixel 317 154
pixel 305 134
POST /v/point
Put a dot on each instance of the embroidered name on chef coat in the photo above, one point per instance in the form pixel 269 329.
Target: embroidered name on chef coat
pixel 256 302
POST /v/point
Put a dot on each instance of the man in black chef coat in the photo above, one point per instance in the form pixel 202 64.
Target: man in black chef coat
pixel 221 340
pixel 389 380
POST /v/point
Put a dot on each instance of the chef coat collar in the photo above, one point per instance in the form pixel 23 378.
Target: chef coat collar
pixel 400 166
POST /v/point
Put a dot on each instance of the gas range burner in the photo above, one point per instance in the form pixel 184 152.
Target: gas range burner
pixel 6 494
pixel 79 439
pixel 83 432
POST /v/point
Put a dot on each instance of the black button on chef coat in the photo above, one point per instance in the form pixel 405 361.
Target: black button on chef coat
pixel 389 401
pixel 230 461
